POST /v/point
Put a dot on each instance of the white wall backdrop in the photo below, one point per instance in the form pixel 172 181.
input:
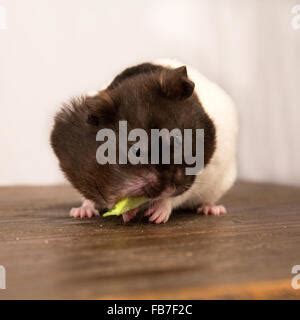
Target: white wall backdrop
pixel 52 49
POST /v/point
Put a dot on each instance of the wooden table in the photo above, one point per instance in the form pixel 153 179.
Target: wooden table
pixel 249 253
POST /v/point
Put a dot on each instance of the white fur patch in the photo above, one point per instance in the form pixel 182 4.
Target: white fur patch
pixel 92 93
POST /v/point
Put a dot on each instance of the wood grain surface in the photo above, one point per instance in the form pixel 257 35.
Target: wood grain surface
pixel 249 253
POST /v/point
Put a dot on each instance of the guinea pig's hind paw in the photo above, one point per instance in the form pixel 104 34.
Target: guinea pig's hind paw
pixel 212 210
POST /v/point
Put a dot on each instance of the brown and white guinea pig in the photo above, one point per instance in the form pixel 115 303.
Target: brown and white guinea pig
pixel 163 94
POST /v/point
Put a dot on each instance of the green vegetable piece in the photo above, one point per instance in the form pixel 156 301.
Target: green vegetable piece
pixel 125 205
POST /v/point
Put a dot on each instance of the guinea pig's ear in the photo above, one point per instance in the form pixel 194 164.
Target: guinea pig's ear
pixel 175 84
pixel 101 109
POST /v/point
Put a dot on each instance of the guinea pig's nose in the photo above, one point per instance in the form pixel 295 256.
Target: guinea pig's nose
pixel 151 179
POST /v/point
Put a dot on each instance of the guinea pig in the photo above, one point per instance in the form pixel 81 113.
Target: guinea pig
pixel 164 94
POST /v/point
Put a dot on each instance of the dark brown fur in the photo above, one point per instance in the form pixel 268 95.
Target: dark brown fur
pixel 147 96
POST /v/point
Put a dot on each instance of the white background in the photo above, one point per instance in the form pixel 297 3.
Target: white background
pixel 53 49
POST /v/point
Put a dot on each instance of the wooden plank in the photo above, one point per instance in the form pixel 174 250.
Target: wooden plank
pixel 248 253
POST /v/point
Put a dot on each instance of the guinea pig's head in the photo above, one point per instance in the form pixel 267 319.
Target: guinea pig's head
pixel 146 99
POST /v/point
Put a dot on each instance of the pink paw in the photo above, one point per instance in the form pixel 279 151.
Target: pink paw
pixel 212 210
pixel 87 210
pixel 159 212
pixel 129 215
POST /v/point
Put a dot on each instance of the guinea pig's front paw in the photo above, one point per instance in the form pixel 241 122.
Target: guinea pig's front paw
pixel 212 210
pixel 87 210
pixel 129 215
pixel 159 211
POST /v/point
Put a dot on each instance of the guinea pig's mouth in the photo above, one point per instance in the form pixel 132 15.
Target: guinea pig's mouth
pixel 150 192
pixel 152 188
